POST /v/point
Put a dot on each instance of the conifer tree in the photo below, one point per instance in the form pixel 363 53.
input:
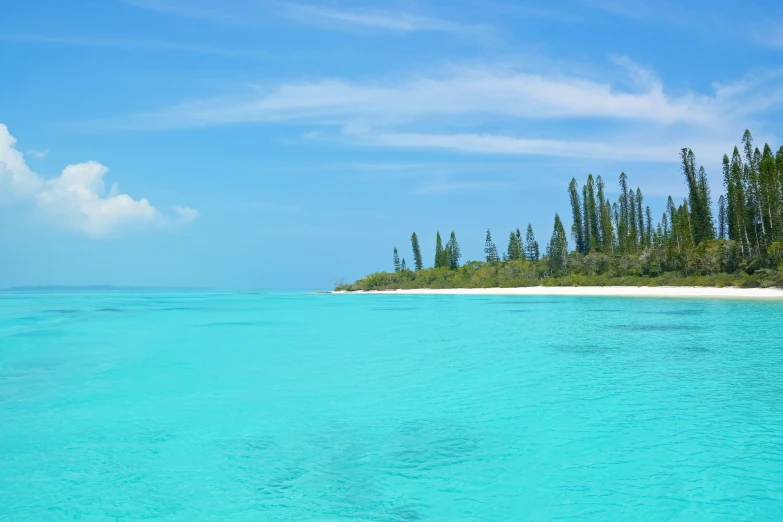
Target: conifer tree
pixel 632 222
pixel 640 218
pixel 605 209
pixel 531 245
pixel 705 196
pixel 519 245
pixel 396 260
pixel 648 233
pixel 739 227
pixel 593 213
pixel 752 191
pixel 403 266
pixel 453 250
pixel 490 250
pixel 770 193
pixel 557 251
pixel 440 258
pixel 417 262
pixel 577 227
pixel 514 248
pixel 729 201
pixel 722 217
pixel 621 217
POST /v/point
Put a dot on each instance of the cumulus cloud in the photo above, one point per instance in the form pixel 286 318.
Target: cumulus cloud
pixel 185 214
pixel 77 198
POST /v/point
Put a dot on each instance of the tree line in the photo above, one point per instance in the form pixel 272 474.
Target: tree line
pixel 619 238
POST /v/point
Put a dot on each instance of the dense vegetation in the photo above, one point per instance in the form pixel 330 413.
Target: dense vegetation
pixel 616 243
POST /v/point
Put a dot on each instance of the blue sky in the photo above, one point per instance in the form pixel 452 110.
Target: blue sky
pixel 253 144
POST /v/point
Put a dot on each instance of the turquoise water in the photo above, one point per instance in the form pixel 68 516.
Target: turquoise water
pixel 390 408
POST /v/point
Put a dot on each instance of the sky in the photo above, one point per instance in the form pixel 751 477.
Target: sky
pixel 274 145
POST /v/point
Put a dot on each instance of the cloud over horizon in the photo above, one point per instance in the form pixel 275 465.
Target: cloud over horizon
pixel 428 111
pixel 77 199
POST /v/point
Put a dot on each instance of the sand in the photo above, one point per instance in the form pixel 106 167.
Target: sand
pixel 613 291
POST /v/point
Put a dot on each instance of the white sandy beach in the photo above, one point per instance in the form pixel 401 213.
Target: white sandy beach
pixel 614 291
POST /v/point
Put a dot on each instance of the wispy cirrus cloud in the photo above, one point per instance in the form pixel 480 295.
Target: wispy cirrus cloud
pixel 384 20
pixel 335 17
pixel 628 106
pixel 133 44
pixel 472 91
pixel 448 185
pixel 499 92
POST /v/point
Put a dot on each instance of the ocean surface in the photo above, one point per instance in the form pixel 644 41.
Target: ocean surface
pixel 389 408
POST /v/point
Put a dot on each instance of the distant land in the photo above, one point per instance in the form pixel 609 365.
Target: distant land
pixel 105 288
pixel 617 244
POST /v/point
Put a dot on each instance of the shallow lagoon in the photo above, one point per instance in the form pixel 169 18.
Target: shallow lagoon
pixel 375 407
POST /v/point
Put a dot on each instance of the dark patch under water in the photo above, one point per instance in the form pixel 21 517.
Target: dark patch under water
pixel 673 312
pixel 656 327
pixel 240 323
pixel 65 311
pixel 695 349
pixel 586 349
pixel 108 310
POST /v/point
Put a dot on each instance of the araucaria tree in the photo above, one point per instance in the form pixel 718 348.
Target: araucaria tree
pixel 605 220
pixel 698 198
pixel 440 253
pixel 490 251
pixel 452 251
pixel 577 227
pixel 515 249
pixel 557 251
pixel 417 263
pixel 396 261
pixel 531 245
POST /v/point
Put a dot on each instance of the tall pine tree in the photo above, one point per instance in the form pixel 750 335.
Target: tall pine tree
pixel 605 210
pixel 396 260
pixel 640 218
pixel 490 250
pixel 531 245
pixel 577 227
pixel 621 217
pixel 514 250
pixel 440 253
pixel 593 220
pixel 417 262
pixel 453 250
pixel 557 251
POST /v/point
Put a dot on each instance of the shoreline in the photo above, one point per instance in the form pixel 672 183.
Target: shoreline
pixel 597 291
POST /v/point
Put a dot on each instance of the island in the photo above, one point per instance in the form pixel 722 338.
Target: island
pixel 616 244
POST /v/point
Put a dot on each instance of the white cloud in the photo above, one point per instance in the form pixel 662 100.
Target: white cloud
pixel 616 149
pixel 385 20
pixel 185 214
pixel 631 113
pixel 445 185
pixel 35 153
pixel 126 44
pixel 259 12
pixel 478 91
pixel 77 198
